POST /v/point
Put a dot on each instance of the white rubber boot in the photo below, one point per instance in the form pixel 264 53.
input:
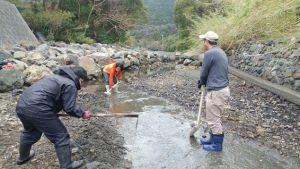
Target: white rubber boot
pixel 107 92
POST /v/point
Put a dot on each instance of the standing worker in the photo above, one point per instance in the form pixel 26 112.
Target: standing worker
pixel 214 75
pixel 37 109
pixel 112 74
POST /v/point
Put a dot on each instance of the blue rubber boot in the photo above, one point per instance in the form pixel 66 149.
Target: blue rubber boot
pixel 216 143
pixel 204 140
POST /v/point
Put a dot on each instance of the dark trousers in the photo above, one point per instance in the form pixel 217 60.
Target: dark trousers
pixel 34 127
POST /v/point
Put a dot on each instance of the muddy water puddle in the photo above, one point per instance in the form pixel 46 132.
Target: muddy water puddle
pixel 159 138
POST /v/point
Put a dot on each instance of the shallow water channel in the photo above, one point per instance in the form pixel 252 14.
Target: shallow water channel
pixel 158 138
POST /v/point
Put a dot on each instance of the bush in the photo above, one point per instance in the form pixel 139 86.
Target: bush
pixel 250 20
pixel 53 22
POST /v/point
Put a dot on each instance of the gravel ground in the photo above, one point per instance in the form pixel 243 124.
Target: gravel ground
pixel 96 141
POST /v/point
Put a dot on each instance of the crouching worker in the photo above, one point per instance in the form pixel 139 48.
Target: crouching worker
pixel 37 109
pixel 112 74
pixel 214 75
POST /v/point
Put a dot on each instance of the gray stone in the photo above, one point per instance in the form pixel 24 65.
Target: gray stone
pixel 187 62
pixel 18 65
pixel 297 85
pixel 196 63
pixel 152 60
pixel 296 53
pixel 75 150
pixel 52 64
pixel 89 65
pixel 19 55
pixel 288 72
pixel 165 58
pixel 93 165
pixel 127 63
pixel 34 73
pixel 135 61
pixel 72 59
pixel 10 79
pixel 42 48
pixel 4 55
pixel 34 58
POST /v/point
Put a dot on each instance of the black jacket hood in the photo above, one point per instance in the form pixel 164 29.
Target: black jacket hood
pixel 68 73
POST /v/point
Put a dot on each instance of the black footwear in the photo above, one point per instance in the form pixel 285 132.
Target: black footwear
pixel 64 158
pixel 25 154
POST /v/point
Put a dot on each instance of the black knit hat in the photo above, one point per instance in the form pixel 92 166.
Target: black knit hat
pixel 80 72
pixel 120 65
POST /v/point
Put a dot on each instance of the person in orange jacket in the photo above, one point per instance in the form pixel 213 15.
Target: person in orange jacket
pixel 112 74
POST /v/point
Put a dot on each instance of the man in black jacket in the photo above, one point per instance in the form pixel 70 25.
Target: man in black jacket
pixel 37 109
pixel 214 75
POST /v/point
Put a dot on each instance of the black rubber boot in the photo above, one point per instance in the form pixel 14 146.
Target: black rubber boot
pixel 25 154
pixel 64 157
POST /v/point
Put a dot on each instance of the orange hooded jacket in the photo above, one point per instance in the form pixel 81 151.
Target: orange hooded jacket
pixel 111 70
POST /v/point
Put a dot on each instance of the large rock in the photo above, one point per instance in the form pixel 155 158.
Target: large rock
pixel 4 55
pixel 72 59
pixel 18 65
pixel 89 65
pixel 10 79
pixel 187 62
pixel 43 48
pixel 127 63
pixel 53 65
pixel 35 58
pixel 297 85
pixel 34 73
pixel 135 61
pixel 101 58
pixel 19 55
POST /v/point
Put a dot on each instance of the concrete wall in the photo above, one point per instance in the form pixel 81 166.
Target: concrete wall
pixel 13 28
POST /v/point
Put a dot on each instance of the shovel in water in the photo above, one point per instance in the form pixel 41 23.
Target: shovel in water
pixel 197 125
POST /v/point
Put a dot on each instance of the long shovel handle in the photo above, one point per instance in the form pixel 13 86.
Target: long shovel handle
pixel 197 126
pixel 108 115
pixel 200 105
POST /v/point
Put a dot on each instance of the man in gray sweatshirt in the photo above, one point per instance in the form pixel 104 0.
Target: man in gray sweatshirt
pixel 214 75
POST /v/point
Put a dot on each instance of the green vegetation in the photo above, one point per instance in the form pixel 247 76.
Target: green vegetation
pixel 82 21
pixel 236 20
pixel 159 32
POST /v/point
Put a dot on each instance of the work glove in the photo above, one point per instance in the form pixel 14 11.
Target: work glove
pixel 86 115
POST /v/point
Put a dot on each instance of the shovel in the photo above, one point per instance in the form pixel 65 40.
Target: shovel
pixel 117 115
pixel 196 126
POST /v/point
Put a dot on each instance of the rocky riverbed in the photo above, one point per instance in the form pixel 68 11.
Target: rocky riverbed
pixel 96 141
pixel 253 112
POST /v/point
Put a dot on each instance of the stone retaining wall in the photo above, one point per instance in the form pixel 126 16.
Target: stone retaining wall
pixel 274 61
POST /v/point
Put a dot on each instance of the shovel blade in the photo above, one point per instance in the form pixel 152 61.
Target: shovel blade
pixel 194 130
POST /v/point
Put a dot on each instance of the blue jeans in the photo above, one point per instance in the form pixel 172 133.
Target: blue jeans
pixel 106 78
